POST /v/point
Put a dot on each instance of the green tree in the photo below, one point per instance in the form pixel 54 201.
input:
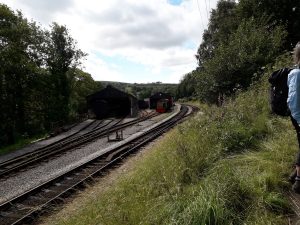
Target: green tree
pixel 223 21
pixel 233 67
pixel 82 85
pixel 19 58
pixel 62 55
pixel 187 86
pixel 276 13
pixel 39 82
pixel 241 37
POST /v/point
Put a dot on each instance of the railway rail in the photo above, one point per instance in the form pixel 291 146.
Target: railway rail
pixel 25 207
pixel 67 144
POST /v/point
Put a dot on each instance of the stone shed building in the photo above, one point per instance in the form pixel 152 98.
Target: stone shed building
pixel 111 102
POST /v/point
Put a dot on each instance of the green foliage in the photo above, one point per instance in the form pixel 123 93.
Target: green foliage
pixel 142 91
pixel 82 85
pixel 235 62
pixel 187 86
pixel 19 42
pixel 279 13
pixel 37 77
pixel 61 56
pixel 223 21
pixel 241 38
pixel 21 142
pixel 277 203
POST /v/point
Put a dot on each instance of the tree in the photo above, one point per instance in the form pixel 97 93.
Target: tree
pixel 187 86
pixel 223 21
pixel 242 37
pixel 249 48
pixel 62 55
pixel 19 58
pixel 277 13
pixel 37 76
pixel 82 85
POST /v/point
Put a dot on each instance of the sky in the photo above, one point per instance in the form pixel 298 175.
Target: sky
pixel 133 41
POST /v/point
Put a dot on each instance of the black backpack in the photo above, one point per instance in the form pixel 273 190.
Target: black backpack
pixel 279 92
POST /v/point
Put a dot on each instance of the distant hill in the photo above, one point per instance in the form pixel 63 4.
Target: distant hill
pixel 141 90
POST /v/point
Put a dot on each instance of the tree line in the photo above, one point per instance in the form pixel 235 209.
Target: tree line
pixel 241 38
pixel 143 90
pixel 40 80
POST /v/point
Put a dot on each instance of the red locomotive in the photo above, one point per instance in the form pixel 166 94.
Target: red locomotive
pixel 161 102
pixel 163 105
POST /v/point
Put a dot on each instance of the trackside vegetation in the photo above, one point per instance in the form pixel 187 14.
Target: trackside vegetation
pixel 241 37
pixel 226 165
pixel 41 84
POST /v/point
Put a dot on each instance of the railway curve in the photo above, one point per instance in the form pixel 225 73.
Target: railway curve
pixel 26 206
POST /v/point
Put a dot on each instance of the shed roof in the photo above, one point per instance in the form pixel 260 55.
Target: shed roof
pixel 109 92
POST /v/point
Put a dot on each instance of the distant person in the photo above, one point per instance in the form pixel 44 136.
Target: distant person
pixel 293 101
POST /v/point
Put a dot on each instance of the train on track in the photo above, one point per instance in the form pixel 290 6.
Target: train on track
pixel 163 105
pixel 161 102
pixel 25 207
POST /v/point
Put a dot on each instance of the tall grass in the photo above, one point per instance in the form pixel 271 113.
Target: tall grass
pixel 227 165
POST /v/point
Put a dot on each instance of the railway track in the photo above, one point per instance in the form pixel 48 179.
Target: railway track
pixel 62 146
pixel 25 207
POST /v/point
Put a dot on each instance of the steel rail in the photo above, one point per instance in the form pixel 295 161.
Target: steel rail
pixel 26 206
pixel 14 165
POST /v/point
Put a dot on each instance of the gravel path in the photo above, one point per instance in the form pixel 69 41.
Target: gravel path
pixel 23 181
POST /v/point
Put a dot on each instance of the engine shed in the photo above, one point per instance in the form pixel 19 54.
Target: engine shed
pixel 154 99
pixel 111 102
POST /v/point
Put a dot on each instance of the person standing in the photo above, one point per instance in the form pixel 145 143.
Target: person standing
pixel 293 102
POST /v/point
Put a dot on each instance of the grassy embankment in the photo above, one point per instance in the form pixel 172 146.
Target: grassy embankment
pixel 226 166
pixel 21 142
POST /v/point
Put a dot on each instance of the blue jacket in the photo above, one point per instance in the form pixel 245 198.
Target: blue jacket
pixel 293 100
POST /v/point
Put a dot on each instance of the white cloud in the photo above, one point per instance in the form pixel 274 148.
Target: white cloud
pixel 153 33
pixel 102 71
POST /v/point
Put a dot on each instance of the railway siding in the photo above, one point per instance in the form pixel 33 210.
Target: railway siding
pixel 28 179
pixel 139 133
pixel 36 145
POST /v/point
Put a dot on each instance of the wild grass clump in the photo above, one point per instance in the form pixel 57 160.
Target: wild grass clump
pixel 227 165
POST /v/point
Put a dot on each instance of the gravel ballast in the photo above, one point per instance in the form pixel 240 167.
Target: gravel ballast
pixel 26 180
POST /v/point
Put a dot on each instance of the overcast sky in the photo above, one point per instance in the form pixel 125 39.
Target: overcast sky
pixel 131 41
